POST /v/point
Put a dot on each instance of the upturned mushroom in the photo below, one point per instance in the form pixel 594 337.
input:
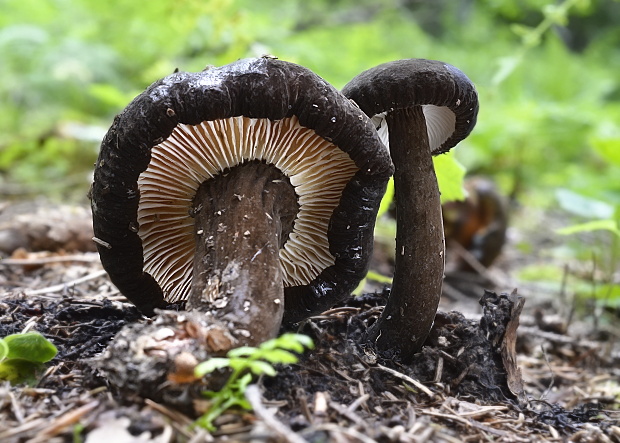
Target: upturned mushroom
pixel 420 108
pixel 249 190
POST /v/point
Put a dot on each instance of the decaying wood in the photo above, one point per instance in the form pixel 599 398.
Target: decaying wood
pixel 509 347
pixel 500 320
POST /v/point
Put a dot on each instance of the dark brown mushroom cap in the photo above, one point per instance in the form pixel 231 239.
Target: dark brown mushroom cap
pixel 449 99
pixel 256 88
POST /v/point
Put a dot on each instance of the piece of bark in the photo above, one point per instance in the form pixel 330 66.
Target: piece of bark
pixel 475 358
pixel 509 347
pixel 500 321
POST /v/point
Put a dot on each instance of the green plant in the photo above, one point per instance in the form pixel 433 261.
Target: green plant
pixel 599 206
pixel 607 225
pixel 244 362
pixel 553 15
pixel 22 356
pixel 450 175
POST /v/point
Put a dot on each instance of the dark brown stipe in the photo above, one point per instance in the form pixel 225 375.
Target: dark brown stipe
pixel 421 108
pixel 242 218
pixel 418 273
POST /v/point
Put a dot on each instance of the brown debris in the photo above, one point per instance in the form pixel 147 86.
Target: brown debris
pixel 156 360
pixel 340 391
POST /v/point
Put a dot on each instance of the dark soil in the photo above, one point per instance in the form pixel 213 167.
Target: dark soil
pixel 79 329
pixel 340 390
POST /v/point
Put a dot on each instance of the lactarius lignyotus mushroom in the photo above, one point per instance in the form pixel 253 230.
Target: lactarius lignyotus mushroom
pixel 250 190
pixel 420 108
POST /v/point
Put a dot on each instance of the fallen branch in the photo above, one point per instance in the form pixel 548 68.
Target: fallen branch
pixel 40 261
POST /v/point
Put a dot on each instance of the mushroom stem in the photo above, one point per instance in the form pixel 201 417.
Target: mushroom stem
pixel 242 218
pixel 419 262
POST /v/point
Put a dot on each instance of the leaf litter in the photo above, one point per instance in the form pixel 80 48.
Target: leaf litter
pixel 491 373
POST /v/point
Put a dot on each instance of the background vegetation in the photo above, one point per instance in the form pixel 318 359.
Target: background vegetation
pixel 547 73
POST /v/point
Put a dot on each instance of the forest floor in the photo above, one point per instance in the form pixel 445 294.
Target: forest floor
pixel 565 385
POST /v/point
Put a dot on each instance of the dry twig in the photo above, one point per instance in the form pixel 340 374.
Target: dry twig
pixel 406 378
pixel 40 261
pixel 63 286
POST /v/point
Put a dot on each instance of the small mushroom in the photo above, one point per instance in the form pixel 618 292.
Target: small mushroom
pixel 247 190
pixel 420 108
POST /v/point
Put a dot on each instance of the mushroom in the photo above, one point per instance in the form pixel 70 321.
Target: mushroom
pixel 420 108
pixel 247 190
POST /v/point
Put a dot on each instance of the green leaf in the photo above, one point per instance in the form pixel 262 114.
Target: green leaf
pixel 450 175
pixel 243 351
pixel 387 199
pixel 608 148
pixel 530 37
pixel 594 225
pixel 17 370
pixel 271 344
pixel 280 356
pixel 211 394
pixel 360 288
pixel 583 206
pixel 304 340
pixel 110 95
pixel 372 275
pixel 246 359
pixel 259 367
pixel 290 341
pixel 610 293
pixel 558 14
pixel 242 403
pixel 243 382
pixel 206 420
pixel 521 30
pixel 507 65
pixel 4 349
pixel 30 346
pixel 239 363
pixel 210 365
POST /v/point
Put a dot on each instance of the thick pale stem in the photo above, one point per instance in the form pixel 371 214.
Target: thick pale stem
pixel 242 218
pixel 412 305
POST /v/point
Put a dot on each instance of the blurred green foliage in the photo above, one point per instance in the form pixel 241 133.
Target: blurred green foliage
pixel 546 72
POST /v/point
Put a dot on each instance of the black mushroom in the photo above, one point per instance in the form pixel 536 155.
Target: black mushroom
pixel 249 190
pixel 420 108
